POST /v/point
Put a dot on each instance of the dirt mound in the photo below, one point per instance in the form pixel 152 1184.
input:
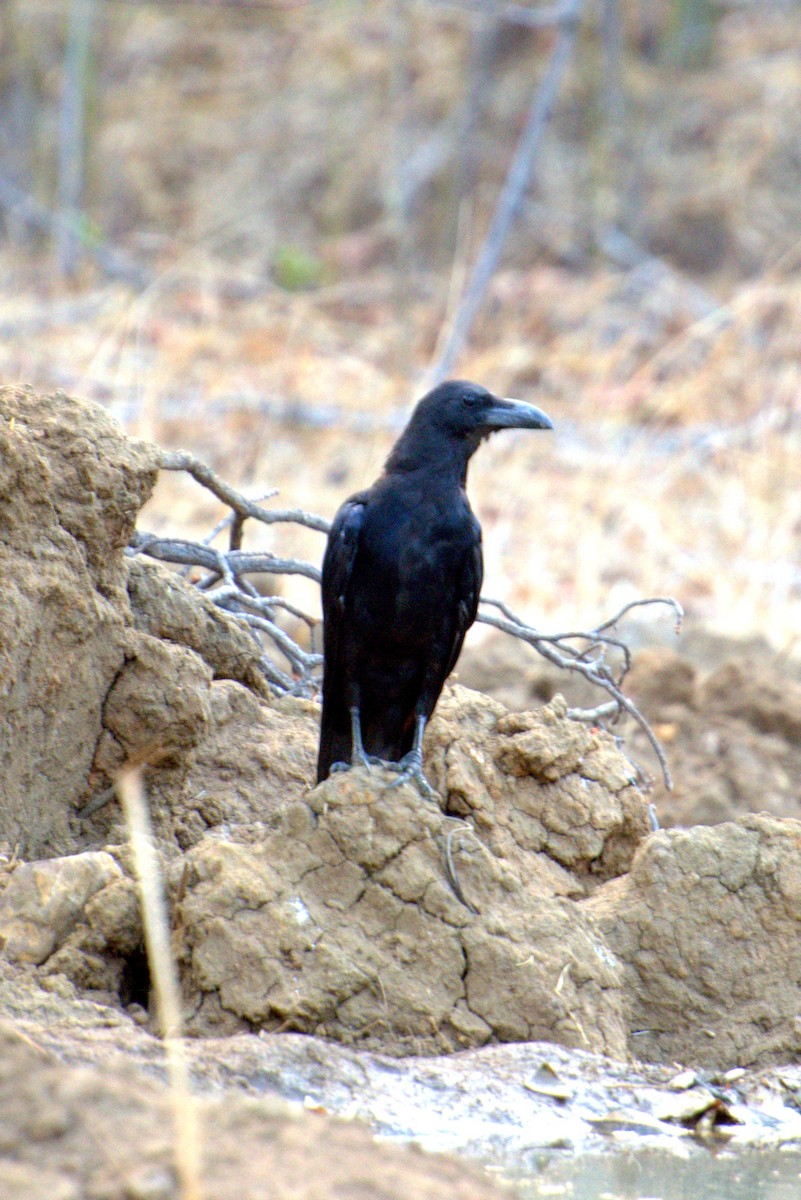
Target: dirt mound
pixel 104 658
pixel 732 735
pixel 708 924
pixel 727 712
pixel 534 906
pixel 70 489
pixel 343 922
pixel 514 675
pixel 362 913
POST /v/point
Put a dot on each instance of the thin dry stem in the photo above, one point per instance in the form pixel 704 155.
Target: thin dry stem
pixel 518 179
pixel 156 923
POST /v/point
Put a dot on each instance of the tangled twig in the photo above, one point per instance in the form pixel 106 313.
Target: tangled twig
pixel 225 583
pixel 589 658
pixel 599 655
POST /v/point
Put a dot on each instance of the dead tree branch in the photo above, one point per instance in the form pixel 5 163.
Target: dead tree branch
pixel 225 583
pixel 599 655
pixel 589 658
pixel 182 460
pixel 230 566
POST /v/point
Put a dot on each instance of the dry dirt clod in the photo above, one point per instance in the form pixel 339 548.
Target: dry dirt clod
pixel 537 782
pixel 43 901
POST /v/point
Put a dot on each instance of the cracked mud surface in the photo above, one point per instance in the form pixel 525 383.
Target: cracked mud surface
pixel 342 922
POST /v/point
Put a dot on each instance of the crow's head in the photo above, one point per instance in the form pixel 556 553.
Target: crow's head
pixel 467 410
pixel 451 421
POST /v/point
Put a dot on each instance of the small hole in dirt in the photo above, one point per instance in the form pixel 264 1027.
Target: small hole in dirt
pixel 135 979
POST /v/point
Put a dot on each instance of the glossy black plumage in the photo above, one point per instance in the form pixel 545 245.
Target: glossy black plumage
pixel 402 576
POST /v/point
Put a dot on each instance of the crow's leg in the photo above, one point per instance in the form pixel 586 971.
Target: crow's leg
pixel 358 757
pixel 410 767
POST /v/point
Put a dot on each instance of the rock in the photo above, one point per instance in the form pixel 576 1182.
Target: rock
pixel 342 922
pixel 43 901
pixel 708 925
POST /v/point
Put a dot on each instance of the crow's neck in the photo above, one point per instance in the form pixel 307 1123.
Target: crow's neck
pixel 445 459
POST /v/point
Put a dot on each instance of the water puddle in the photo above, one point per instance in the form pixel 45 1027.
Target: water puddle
pixel 653 1174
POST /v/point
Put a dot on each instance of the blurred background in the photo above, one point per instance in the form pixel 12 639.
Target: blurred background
pixel 259 230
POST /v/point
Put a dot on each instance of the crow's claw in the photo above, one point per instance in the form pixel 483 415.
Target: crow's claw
pixel 410 770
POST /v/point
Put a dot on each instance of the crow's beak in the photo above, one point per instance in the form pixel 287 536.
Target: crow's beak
pixel 515 414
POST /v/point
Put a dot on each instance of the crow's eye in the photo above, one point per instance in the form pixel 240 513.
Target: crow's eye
pixel 472 400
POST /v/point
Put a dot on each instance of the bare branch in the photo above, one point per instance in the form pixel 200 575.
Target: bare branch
pixel 233 562
pixel 587 661
pixel 182 460
pixel 450 868
pixel 668 600
pixel 291 649
pixel 591 716
pixel 236 530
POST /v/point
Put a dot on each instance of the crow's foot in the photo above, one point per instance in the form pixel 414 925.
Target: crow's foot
pixel 410 770
pixel 359 759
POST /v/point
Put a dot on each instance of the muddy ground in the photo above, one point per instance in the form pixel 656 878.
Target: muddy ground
pixel 534 911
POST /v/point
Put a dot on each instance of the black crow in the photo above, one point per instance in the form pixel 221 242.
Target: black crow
pixel 401 581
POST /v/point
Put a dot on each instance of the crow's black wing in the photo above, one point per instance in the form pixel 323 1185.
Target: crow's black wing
pixel 340 555
pixel 469 592
pixel 457 619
